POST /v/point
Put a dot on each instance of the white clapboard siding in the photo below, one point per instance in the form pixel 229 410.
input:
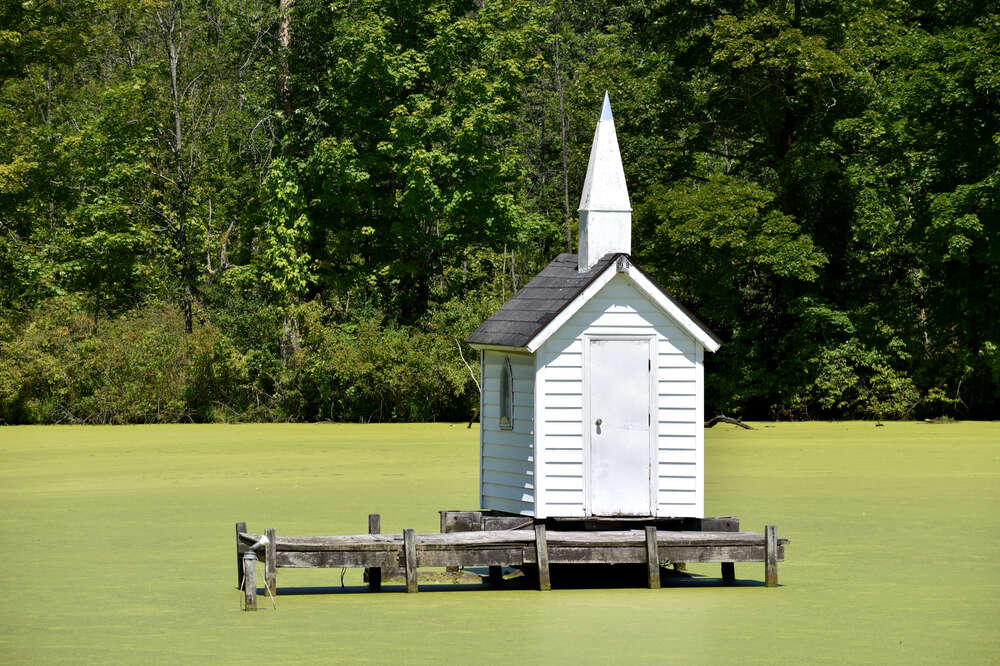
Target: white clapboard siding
pixel 677 496
pixel 683 345
pixel 678 455
pixel 676 360
pixel 508 452
pixel 509 479
pixel 566 360
pixel 563 468
pixel 525 412
pixel 562 400
pixel 520 467
pixel 507 460
pixel 568 454
pixel 676 374
pixel 562 413
pixel 507 438
pixel 689 427
pixel 672 477
pixel 525 496
pixel 508 505
pixel 563 482
pixel 684 414
pixel 669 401
pixel 564 497
pixel 555 428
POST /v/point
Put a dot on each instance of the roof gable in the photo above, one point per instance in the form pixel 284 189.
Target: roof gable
pixel 546 303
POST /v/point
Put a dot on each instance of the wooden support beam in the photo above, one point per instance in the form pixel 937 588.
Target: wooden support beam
pixel 461 521
pixel 652 559
pixel 271 561
pixel 240 528
pixel 770 556
pixel 410 552
pixel 374 574
pixel 720 524
pixel 496 575
pixel 728 573
pixel 250 581
pixel 542 555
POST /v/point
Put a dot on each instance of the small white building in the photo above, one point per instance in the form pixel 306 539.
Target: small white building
pixel 592 378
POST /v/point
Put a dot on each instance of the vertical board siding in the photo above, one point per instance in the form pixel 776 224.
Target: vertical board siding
pixel 619 308
pixel 507 458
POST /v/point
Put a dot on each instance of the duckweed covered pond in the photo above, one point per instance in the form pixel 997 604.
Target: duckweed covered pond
pixel 118 547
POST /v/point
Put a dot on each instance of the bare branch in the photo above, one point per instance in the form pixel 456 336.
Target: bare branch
pixel 458 343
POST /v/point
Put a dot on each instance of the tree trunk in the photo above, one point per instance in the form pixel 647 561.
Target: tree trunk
pixel 289 344
pixel 565 161
pixel 284 39
pixel 170 24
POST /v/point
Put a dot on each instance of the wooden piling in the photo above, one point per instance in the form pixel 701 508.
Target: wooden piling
pixel 542 555
pixel 728 573
pixel 652 559
pixel 770 556
pixel 410 553
pixel 496 575
pixel 270 561
pixel 240 528
pixel 250 581
pixel 374 574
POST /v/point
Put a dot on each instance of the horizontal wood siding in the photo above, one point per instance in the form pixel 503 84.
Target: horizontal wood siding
pixel 507 460
pixel 620 309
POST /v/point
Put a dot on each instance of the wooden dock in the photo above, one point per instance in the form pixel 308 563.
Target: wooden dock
pixel 537 548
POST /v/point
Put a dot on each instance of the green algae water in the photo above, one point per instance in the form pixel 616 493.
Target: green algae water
pixel 118 547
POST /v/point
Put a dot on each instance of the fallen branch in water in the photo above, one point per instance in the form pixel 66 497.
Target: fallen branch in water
pixel 722 418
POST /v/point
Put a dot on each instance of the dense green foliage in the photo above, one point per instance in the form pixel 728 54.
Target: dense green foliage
pixel 261 209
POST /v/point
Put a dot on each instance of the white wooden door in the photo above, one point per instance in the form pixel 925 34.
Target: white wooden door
pixel 620 425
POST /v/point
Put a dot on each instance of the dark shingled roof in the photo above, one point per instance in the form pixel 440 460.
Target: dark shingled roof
pixel 531 309
pixel 538 302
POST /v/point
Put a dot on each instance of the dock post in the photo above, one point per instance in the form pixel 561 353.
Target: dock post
pixel 652 558
pixel 728 573
pixel 250 581
pixel 240 527
pixel 374 573
pixel 270 561
pixel 410 551
pixel 770 556
pixel 496 575
pixel 542 554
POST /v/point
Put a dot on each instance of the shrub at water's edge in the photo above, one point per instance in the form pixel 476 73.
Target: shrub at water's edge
pixel 58 366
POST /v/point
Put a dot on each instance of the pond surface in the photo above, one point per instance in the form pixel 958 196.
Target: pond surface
pixel 119 548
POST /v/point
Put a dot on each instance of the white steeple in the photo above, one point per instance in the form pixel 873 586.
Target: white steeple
pixel 605 212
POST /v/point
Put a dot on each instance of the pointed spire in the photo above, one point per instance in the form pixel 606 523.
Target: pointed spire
pixel 605 211
pixel 604 187
pixel 606 109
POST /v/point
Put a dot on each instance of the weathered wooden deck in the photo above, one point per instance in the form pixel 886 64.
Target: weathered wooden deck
pixel 535 547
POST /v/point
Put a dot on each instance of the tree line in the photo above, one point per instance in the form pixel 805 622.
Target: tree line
pixel 297 209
